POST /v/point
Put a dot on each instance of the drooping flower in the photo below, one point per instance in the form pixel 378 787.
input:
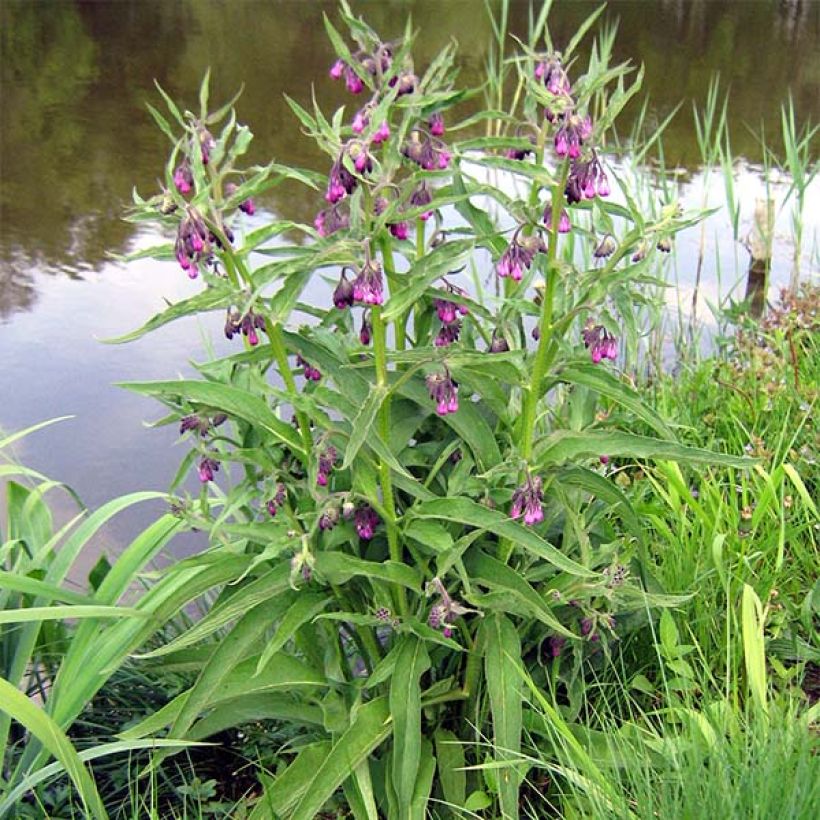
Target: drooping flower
pixel 312 374
pixel 365 332
pixel 446 610
pixel 247 206
pixel 600 343
pixel 278 500
pixel 326 461
pixel 365 520
pixel 368 286
pixel 443 391
pixel 527 501
pixel 207 467
pixel 436 124
pixel 399 230
pixel 183 178
pixel 381 134
pixel 330 220
pixel 519 255
pixel 421 198
pixel 498 344
pixel 570 137
pixel 343 295
pixel 585 181
pixel 606 247
pixel 552 74
pixel 247 325
pixel 664 244
pixel 200 424
pixel 556 645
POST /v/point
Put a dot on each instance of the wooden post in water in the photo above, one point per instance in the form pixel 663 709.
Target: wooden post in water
pixel 759 244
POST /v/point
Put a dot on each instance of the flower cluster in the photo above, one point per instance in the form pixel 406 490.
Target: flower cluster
pixel 330 220
pixel 427 151
pixel 192 246
pixel 365 520
pixel 278 500
pixel 444 392
pixel 564 225
pixel 326 461
pixel 527 501
pixel 329 518
pixel 445 611
pixel 312 374
pixel 552 74
pixel 519 256
pixel 247 325
pixel 421 198
pixel 571 135
pixel 586 179
pixel 200 424
pixel 448 314
pixel 368 286
pixel 184 178
pixel 247 206
pixel 374 64
pixel 600 343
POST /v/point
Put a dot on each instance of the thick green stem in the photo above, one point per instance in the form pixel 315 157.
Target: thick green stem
pixel 380 350
pixel 543 353
pixel 277 343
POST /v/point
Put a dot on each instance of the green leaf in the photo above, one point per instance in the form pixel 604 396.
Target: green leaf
pixel 431 535
pixel 566 445
pixel 495 575
pixel 284 674
pixel 502 655
pixel 754 647
pixel 431 267
pixel 602 381
pixel 363 423
pixel 211 298
pixel 304 609
pixel 58 613
pixel 451 774
pixel 405 709
pixel 368 730
pixel 234 401
pixel 339 568
pixel 469 512
pixel 22 709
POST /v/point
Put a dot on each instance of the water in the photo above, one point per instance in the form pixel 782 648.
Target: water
pixel 75 138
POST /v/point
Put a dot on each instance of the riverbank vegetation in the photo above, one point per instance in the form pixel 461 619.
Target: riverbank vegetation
pixel 475 546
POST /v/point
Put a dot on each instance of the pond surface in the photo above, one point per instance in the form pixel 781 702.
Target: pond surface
pixel 75 138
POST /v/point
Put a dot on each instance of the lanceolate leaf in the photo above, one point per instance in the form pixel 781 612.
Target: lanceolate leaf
pixel 495 575
pixel 603 382
pixel 502 654
pixel 14 703
pixel 405 709
pixel 232 400
pixel 566 445
pixel 469 512
pixel 338 567
pixel 369 729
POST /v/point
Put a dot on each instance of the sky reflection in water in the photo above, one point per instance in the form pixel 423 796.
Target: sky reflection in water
pixel 75 138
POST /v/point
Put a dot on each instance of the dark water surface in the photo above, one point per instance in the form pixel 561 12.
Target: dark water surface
pixel 75 138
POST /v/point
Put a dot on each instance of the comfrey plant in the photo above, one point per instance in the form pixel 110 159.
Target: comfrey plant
pixel 409 497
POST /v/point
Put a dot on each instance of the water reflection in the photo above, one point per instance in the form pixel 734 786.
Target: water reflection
pixel 75 137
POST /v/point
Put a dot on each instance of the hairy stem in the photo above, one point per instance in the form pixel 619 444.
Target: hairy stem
pixel 380 350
